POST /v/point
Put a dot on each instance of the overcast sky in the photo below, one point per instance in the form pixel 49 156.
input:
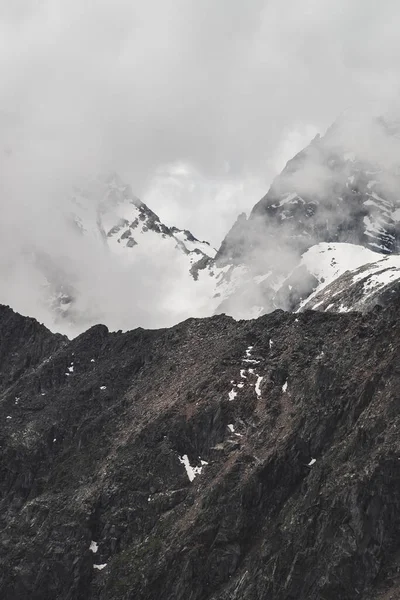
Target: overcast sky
pixel 196 103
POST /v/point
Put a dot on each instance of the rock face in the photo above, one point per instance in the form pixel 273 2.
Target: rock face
pixel 343 189
pixel 216 460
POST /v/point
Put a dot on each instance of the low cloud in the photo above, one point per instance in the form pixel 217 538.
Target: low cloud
pixel 197 104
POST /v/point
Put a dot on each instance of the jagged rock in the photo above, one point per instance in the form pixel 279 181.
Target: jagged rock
pixel 212 461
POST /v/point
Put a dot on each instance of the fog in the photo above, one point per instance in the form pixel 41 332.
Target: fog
pixel 198 105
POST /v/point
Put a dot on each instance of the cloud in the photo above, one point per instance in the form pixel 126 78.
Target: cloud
pixel 139 85
pixel 197 104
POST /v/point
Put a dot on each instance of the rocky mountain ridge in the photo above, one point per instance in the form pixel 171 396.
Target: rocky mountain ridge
pixel 214 460
pixel 341 190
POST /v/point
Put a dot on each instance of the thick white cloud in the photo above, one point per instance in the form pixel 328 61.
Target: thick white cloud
pixel 196 103
pixel 223 86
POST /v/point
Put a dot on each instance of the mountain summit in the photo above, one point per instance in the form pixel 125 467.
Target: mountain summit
pixel 334 209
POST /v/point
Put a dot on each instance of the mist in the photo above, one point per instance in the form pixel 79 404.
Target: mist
pixel 198 105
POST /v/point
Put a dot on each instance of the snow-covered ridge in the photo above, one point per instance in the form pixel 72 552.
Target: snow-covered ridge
pixel 331 214
pixel 111 213
pixel 360 289
pixel 326 262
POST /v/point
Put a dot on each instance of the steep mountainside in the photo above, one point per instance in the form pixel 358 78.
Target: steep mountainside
pixel 216 460
pixel 107 257
pixel 109 211
pixel 373 283
pixel 344 188
pixel 111 220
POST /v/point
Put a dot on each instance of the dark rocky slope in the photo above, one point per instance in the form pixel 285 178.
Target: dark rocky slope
pixel 300 501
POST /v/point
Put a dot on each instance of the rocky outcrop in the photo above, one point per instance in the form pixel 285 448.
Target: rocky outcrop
pixel 342 189
pixel 214 460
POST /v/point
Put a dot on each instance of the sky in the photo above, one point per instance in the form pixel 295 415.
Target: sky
pixel 197 104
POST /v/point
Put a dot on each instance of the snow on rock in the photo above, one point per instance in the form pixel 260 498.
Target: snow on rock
pixel 103 387
pixel 328 261
pixel 191 471
pixel 345 294
pixel 248 358
pixel 258 385
pixel 232 394
pixel 231 428
pixel 100 567
pixel 93 547
pixel 284 387
pixel 312 461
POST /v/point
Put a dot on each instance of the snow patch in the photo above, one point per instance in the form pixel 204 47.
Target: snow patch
pixel 328 261
pixel 258 385
pixel 93 547
pixel 191 471
pixel 232 394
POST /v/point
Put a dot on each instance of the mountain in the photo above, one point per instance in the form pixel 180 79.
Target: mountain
pixel 107 257
pixel 215 460
pixel 373 283
pixel 108 211
pixel 343 189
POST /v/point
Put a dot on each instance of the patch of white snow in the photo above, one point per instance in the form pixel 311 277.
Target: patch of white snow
pixel 191 471
pixel 232 394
